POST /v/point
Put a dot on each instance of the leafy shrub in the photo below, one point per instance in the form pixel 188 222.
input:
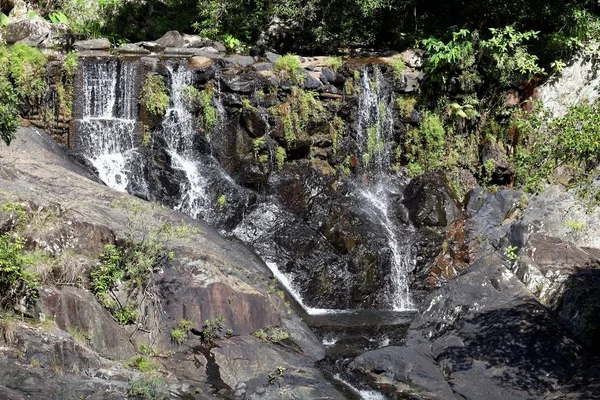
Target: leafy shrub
pixel 397 65
pixel 289 67
pixel 180 334
pixel 145 388
pixel 280 157
pixel 155 95
pixel 142 364
pixel 27 68
pixel 9 111
pixel 212 329
pixel 271 334
pixel 70 64
pixel 16 283
pixel 406 106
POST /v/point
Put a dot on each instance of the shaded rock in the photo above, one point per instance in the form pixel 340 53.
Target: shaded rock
pixel 92 44
pixel 77 310
pixel 171 39
pixel 272 57
pixel 501 171
pixel 254 122
pixel 190 51
pixel 151 46
pixel 264 66
pixel 431 201
pixel 310 82
pixel 244 83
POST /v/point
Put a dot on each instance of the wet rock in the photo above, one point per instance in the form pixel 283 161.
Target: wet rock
pixel 254 122
pixel 190 51
pixel 431 201
pixel 413 58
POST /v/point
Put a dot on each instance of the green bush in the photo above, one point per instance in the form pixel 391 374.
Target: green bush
pixel 70 64
pixel 15 282
pixel 212 329
pixel 9 111
pixel 145 388
pixel 289 67
pixel 155 95
pixel 27 68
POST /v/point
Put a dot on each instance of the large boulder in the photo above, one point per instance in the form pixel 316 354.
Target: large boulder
pixel 30 29
pixel 431 201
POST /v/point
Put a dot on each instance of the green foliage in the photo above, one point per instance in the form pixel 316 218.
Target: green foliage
pixel 15 282
pixel 9 111
pixel 406 106
pixel 18 212
pixel 336 128
pixel 397 65
pixel 300 108
pixel 280 157
pixel 511 253
pixel 232 43
pixel 210 115
pixel 145 388
pixel 126 315
pixel 155 95
pixel 27 68
pixel 212 329
pixel 572 141
pixel 59 18
pixel 289 67
pixel 271 334
pixel 70 64
pixel 425 148
pixel 142 364
pixel 334 63
pixel 221 202
pixel 374 144
pixel 178 336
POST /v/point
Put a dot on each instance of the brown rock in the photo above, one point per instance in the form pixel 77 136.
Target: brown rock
pixel 199 62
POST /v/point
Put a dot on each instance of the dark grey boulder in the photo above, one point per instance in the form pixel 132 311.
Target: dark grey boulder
pixel 171 39
pixel 431 201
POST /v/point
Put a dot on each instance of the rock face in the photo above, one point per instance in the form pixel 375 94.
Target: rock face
pixel 208 277
pixel 575 84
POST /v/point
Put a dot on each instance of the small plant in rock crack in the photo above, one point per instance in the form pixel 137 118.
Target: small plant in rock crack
pixel 511 252
pixel 212 329
pixel 181 333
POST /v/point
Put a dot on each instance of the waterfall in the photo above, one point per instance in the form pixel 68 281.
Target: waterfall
pixel 397 288
pixel 108 126
pixel 178 132
pixel 375 129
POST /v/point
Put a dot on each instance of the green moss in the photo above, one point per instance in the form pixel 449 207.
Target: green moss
pixel 142 364
pixel 374 144
pixel 155 95
pixel 336 128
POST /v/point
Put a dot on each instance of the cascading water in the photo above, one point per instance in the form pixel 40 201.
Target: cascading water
pixel 107 129
pixel 178 133
pixel 375 129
